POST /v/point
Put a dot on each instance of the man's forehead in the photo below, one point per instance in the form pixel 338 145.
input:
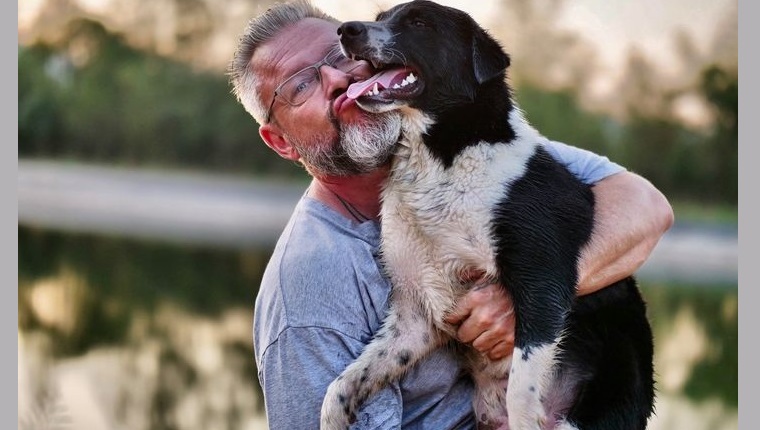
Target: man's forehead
pixel 305 40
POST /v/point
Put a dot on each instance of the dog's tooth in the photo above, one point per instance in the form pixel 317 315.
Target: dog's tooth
pixel 396 86
pixel 375 89
pixel 411 78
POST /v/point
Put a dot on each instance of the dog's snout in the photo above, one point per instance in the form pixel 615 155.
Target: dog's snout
pixel 351 29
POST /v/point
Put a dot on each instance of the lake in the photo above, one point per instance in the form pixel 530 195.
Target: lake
pixel 118 333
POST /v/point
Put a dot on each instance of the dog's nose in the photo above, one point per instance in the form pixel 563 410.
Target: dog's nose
pixel 351 29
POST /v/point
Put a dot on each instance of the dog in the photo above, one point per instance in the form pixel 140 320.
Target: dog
pixel 472 190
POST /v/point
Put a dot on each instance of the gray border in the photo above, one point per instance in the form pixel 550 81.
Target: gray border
pixel 10 205
pixel 748 128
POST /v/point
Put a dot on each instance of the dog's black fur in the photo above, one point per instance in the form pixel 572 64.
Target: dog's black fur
pixel 537 228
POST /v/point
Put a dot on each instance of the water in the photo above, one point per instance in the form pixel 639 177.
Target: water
pixel 126 334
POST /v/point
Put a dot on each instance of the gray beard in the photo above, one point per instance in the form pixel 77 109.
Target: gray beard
pixel 360 148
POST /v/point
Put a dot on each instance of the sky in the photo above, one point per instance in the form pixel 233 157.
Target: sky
pixel 650 24
pixel 612 25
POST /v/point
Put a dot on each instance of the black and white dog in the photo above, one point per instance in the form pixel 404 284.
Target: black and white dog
pixel 472 190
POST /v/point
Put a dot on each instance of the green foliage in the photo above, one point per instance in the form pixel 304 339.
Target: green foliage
pixel 685 164
pixel 558 116
pixel 128 107
pixel 721 88
pixel 40 125
pixel 682 163
pixel 651 148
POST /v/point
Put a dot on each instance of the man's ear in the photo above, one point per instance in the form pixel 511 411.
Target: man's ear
pixel 275 140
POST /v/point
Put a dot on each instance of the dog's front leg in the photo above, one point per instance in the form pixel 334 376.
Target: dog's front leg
pixel 405 337
pixel 541 309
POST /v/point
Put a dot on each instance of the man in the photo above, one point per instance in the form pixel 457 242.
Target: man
pixel 323 294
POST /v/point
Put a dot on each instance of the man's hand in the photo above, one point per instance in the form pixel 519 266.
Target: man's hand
pixel 486 321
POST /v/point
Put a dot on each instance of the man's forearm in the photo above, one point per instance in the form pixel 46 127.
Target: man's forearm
pixel 631 216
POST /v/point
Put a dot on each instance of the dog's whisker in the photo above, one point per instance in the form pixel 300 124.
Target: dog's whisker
pixel 396 53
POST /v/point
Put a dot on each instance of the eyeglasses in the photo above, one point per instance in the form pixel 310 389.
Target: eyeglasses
pixel 296 89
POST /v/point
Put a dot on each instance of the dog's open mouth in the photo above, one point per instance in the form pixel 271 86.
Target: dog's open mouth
pixel 386 87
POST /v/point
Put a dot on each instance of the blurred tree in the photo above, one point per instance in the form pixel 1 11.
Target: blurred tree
pixel 721 88
pixel 699 165
pixel 545 54
pixel 40 126
pixel 557 115
pixel 650 149
pixel 198 32
pixel 125 106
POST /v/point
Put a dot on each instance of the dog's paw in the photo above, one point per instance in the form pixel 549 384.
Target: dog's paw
pixel 337 412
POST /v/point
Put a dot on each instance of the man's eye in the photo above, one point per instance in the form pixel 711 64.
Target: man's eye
pixel 301 85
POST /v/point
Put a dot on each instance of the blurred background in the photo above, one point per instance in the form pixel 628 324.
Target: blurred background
pixel 148 206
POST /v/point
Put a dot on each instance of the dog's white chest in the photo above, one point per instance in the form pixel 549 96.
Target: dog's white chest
pixel 442 217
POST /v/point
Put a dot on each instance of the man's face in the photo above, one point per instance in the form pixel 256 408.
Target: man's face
pixel 331 135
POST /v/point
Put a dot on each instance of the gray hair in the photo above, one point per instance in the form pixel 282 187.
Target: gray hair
pixel 245 83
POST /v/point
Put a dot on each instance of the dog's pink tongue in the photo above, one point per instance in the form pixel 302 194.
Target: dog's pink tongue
pixel 383 79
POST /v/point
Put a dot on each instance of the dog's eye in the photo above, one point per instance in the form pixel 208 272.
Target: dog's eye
pixel 417 22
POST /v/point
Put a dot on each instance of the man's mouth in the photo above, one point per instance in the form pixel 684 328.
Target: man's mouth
pixel 387 86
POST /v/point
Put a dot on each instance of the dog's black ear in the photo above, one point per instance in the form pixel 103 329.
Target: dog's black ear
pixel 488 58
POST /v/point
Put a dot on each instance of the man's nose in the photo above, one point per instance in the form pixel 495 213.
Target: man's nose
pixel 334 81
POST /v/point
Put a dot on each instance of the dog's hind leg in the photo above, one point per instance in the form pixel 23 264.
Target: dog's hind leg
pixel 611 339
pixel 405 337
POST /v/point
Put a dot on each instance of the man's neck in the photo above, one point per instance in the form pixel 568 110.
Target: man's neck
pixel 355 197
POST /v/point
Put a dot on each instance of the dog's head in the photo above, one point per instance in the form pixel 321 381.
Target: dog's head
pixel 428 56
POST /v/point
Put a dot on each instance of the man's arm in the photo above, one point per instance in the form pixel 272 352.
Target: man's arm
pixel 630 218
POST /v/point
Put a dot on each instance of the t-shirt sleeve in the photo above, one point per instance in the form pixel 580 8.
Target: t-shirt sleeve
pixel 587 166
pixel 296 370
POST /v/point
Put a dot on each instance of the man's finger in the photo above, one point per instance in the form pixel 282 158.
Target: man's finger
pixel 462 310
pixel 474 299
pixel 501 350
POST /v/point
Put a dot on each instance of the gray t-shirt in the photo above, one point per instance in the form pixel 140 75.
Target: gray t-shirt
pixel 322 297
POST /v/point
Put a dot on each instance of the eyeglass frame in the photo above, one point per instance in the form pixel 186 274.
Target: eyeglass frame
pixel 325 61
